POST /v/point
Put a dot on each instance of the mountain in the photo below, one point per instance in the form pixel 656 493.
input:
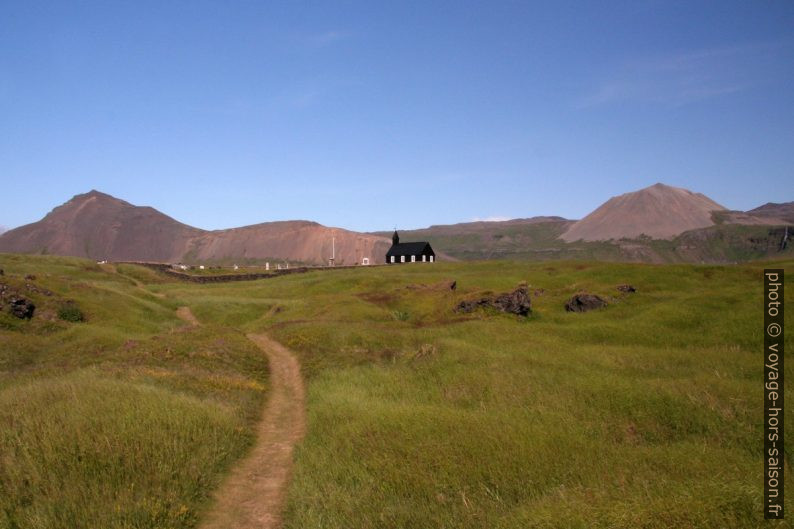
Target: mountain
pixel 659 211
pixel 784 211
pixel 299 240
pixel 729 236
pixel 99 226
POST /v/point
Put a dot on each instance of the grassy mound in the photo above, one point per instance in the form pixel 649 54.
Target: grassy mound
pixel 129 418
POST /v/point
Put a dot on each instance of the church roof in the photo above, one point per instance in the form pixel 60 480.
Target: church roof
pixel 409 248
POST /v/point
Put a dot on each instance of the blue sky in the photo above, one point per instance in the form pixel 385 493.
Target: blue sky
pixel 370 115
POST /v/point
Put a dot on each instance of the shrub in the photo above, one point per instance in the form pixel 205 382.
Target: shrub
pixel 70 312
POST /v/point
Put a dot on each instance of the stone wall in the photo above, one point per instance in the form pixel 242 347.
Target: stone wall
pixel 225 278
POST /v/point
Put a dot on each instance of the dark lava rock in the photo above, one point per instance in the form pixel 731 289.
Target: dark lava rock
pixel 515 302
pixel 584 302
pixel 626 288
pixel 21 307
pixel 472 304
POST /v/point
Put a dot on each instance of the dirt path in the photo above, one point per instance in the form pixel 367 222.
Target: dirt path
pixel 186 315
pixel 253 494
pixel 137 283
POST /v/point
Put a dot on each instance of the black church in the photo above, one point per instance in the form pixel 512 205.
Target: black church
pixel 409 252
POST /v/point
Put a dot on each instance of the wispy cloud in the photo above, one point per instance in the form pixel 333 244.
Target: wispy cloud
pixel 680 78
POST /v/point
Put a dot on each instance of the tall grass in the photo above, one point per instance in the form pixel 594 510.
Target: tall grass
pixel 643 414
pixel 126 419
pixel 85 450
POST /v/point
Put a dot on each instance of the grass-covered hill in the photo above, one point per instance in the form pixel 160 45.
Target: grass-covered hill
pixel 643 414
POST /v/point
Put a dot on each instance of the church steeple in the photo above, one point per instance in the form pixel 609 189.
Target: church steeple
pixel 395 239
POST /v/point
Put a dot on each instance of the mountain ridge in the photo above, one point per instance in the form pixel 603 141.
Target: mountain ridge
pixel 100 226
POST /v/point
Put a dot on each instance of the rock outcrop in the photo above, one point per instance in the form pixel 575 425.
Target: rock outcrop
pixel 515 302
pixel 584 302
pixel 16 304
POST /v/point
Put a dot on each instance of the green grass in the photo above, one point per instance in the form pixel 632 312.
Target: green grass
pixel 643 414
pixel 126 419
pixel 87 450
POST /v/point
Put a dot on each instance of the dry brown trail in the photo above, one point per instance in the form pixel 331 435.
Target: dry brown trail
pixel 186 315
pixel 252 495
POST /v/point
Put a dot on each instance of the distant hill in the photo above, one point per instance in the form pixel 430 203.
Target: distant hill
pixel 659 211
pixel 719 235
pixel 99 226
pixel 640 227
pixel 783 211
pixel 490 239
pixel 721 243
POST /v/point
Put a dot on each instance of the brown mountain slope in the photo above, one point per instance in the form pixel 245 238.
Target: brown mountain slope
pixel 490 225
pixel 303 241
pixel 784 211
pixel 747 218
pixel 658 211
pixel 99 226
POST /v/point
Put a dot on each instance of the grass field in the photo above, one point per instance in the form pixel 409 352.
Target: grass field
pixel 644 414
pixel 127 419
